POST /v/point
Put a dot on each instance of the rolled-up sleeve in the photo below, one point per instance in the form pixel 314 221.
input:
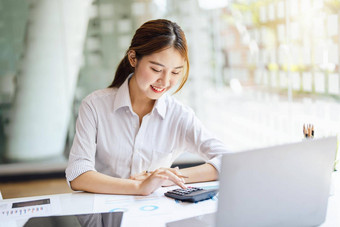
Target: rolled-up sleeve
pixel 83 150
pixel 199 140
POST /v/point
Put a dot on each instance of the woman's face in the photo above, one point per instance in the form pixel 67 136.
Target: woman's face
pixel 159 72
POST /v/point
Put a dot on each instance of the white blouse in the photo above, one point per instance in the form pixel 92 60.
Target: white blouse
pixel 109 140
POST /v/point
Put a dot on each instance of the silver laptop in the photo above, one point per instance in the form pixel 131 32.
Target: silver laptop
pixel 286 185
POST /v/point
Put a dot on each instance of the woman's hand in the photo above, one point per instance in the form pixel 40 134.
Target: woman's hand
pixel 160 177
pixel 145 174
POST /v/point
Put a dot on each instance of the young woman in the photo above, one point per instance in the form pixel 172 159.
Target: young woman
pixel 128 135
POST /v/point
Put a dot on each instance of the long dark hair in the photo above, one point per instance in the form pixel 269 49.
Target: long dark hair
pixel 153 36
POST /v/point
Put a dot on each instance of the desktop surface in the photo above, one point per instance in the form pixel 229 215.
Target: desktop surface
pixel 168 210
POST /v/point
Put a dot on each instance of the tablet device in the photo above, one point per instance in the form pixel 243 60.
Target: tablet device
pixel 111 219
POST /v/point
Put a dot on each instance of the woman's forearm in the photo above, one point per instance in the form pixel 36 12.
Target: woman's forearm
pixel 96 182
pixel 201 173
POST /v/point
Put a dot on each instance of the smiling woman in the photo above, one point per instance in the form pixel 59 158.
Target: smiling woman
pixel 154 74
pixel 128 135
pixel 152 37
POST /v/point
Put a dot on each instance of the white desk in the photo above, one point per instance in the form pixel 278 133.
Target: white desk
pixel 154 210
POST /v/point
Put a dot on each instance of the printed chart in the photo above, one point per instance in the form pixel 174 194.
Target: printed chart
pixel 156 205
pixel 29 208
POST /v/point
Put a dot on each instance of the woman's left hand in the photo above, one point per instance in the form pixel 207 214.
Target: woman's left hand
pixel 145 174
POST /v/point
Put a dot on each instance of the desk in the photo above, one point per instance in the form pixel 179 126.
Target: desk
pixel 159 209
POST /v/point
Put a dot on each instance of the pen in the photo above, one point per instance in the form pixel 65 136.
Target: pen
pixel 182 176
pixel 308 130
pixel 305 131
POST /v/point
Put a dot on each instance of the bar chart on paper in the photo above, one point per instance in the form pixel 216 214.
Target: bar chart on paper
pixel 29 208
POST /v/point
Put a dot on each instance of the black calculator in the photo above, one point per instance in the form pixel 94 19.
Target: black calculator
pixel 191 194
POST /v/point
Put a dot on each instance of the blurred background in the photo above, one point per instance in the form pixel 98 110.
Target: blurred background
pixel 260 69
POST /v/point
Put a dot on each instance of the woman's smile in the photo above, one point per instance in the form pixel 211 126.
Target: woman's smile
pixel 157 89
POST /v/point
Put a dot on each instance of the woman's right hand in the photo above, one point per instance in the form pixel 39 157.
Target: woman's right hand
pixel 158 178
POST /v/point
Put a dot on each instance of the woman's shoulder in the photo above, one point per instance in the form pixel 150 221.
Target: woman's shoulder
pixel 101 95
pixel 178 107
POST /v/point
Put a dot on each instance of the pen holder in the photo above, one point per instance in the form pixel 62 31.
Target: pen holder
pixel 308 131
pixel 336 162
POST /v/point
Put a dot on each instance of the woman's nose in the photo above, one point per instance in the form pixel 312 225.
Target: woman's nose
pixel 164 79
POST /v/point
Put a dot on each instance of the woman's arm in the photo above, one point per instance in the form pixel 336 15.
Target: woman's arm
pixel 201 173
pixel 96 182
pixel 92 181
pixel 204 172
pixel 198 140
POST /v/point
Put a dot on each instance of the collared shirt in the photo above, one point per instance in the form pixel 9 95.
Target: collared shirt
pixel 109 138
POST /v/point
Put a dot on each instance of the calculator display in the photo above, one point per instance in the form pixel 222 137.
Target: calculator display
pixel 31 203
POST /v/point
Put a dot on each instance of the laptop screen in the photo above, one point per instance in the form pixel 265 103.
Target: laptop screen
pixel 284 185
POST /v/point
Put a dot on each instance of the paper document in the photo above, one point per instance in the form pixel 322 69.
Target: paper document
pixel 139 209
pixel 29 208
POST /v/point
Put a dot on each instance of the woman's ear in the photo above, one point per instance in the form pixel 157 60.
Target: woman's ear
pixel 132 58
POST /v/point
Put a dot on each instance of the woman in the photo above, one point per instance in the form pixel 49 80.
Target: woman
pixel 127 135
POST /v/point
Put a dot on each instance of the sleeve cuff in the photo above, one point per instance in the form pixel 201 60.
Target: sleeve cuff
pixel 72 172
pixel 216 162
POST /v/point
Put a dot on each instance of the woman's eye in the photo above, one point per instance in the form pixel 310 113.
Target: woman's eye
pixel 156 70
pixel 175 73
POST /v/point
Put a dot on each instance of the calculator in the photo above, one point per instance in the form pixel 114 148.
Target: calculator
pixel 191 194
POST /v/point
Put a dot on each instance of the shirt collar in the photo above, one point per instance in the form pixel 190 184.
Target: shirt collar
pixel 123 96
pixel 123 99
pixel 160 105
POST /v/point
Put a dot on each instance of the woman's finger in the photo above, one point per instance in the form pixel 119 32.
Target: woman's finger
pixel 174 171
pixel 174 178
pixel 153 182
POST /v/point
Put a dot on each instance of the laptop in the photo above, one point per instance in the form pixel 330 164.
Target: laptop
pixel 285 185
